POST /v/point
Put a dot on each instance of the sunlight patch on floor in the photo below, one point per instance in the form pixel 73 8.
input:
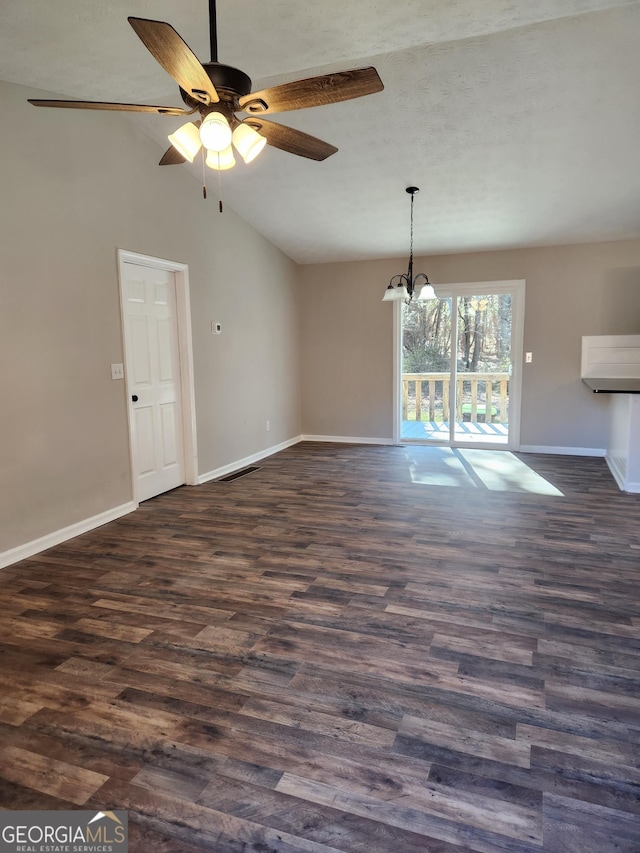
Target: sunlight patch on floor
pixel 495 470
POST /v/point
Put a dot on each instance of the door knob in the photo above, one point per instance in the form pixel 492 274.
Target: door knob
pixel 134 397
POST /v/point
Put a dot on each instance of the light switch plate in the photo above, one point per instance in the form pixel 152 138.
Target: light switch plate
pixel 117 371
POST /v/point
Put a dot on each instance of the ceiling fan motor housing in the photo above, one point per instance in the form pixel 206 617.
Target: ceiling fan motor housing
pixel 230 83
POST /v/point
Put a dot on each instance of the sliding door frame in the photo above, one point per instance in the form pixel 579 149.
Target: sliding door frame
pixel 454 291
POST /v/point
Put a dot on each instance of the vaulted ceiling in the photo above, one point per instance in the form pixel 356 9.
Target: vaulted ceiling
pixel 519 121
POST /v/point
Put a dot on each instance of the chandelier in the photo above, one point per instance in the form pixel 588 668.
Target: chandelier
pixel 405 285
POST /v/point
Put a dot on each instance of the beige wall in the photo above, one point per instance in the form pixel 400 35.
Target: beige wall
pixel 347 351
pixel 346 337
pixel 64 453
pixel 75 187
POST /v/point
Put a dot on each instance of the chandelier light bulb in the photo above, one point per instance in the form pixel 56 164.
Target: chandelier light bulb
pixel 389 294
pixel 427 292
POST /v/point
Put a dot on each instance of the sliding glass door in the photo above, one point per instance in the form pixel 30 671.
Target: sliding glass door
pixel 460 359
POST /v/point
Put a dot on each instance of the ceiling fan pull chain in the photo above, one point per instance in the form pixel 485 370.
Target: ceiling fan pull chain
pixel 219 188
pixel 204 176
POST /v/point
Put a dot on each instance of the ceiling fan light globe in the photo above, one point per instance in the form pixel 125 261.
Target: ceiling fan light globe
pixel 248 142
pixel 215 133
pixel 221 160
pixel 186 140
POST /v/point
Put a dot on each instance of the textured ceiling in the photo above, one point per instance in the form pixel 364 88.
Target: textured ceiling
pixel 519 121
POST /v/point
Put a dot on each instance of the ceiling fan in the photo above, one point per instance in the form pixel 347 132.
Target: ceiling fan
pixel 217 92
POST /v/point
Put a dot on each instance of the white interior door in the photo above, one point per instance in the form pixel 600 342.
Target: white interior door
pixel 153 379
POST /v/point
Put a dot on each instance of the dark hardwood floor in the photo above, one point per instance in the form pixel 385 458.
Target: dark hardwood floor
pixel 335 653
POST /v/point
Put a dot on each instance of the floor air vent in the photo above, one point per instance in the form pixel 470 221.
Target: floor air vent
pixel 237 474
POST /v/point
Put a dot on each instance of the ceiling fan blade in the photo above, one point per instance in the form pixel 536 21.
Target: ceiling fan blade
pixel 102 105
pixel 293 141
pixel 176 57
pixel 314 91
pixel 172 157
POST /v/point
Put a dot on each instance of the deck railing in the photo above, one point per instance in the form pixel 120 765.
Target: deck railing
pixel 480 396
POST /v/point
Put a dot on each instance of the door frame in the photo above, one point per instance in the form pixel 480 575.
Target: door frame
pixel 185 349
pixel 448 291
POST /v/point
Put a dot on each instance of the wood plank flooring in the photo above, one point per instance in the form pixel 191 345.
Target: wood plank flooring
pixel 330 654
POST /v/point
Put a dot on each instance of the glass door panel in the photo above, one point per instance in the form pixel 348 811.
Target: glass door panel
pixel 483 368
pixel 460 379
pixel 426 370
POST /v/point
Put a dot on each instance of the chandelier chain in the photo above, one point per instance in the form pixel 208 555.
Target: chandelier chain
pixel 411 241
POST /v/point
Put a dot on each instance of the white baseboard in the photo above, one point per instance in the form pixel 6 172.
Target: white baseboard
pixel 23 552
pixel 620 476
pixel 616 470
pixel 562 451
pixel 346 439
pixel 525 448
pixel 248 460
